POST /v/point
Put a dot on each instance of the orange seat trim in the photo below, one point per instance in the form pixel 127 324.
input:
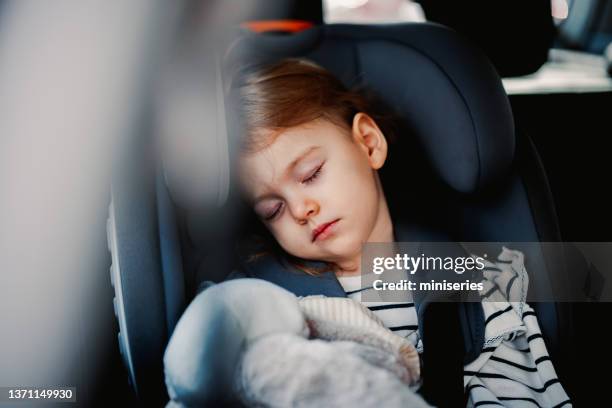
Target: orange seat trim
pixel 291 26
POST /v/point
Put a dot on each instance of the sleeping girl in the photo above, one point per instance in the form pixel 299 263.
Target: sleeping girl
pixel 309 169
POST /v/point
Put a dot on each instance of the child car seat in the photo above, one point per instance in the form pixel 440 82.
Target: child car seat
pixel 474 179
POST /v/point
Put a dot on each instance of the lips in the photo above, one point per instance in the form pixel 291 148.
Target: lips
pixel 321 229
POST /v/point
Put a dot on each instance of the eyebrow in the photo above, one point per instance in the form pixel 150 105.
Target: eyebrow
pixel 291 165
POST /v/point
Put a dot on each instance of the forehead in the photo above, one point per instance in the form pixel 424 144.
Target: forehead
pixel 264 168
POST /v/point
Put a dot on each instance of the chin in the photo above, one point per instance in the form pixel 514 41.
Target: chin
pixel 346 246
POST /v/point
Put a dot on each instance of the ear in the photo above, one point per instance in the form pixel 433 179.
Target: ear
pixel 368 136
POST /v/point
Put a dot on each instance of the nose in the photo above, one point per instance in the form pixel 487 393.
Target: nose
pixel 304 210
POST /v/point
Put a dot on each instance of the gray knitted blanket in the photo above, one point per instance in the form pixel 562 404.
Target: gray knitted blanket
pixel 286 370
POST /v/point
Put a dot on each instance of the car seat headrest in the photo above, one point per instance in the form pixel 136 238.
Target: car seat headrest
pixel 191 129
pixel 445 90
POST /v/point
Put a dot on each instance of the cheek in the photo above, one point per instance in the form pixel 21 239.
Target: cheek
pixel 296 247
pixel 287 235
pixel 360 188
pixel 295 240
pixel 354 184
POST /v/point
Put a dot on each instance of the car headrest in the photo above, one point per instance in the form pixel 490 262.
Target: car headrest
pixel 444 89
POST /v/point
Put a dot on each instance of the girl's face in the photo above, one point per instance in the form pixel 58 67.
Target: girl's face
pixel 317 190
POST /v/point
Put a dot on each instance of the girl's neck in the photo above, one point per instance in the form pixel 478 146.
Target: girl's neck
pixel 382 232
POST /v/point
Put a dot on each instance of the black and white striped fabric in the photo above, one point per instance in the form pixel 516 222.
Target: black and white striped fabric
pixel 399 317
pixel 514 368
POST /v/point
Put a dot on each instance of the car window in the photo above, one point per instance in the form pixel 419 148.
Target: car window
pixel 374 12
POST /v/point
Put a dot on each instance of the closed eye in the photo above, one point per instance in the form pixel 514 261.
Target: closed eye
pixel 274 213
pixel 314 175
pixel 308 180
